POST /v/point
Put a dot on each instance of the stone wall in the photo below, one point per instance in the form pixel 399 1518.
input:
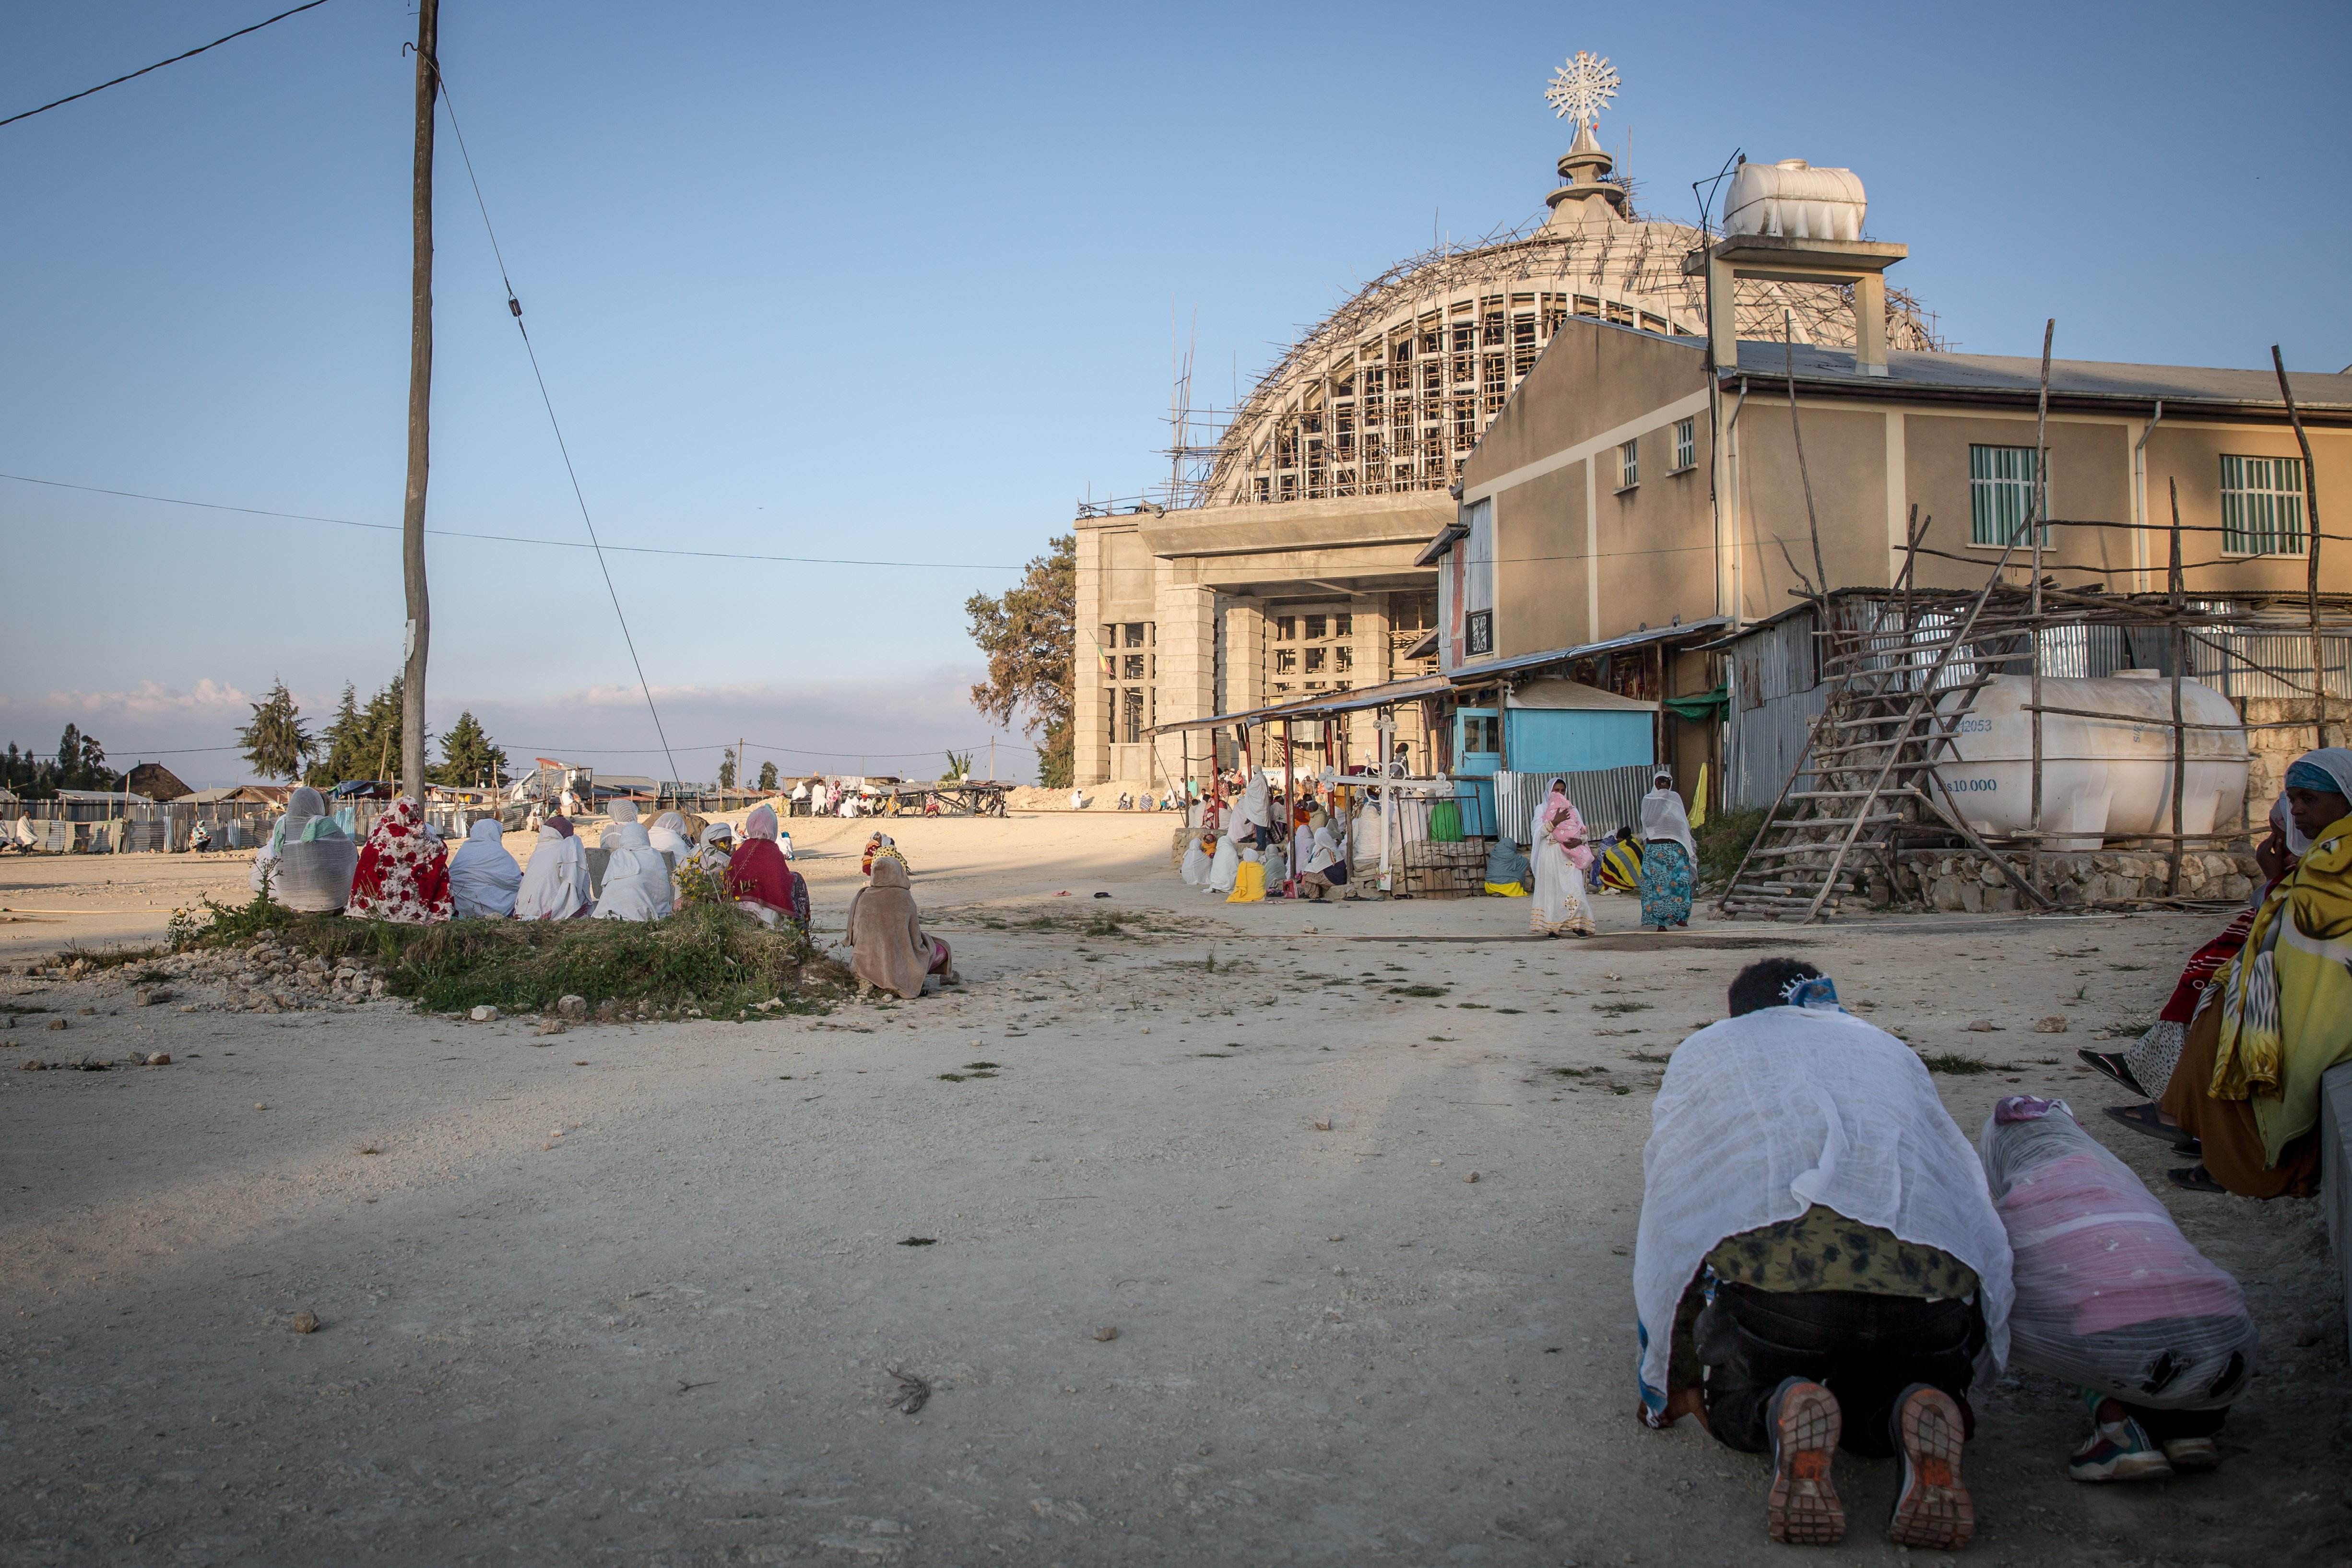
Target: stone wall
pixel 1964 880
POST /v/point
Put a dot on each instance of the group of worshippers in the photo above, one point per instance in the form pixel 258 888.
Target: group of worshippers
pixel 1823 1261
pixel 404 873
pixel 1661 856
pixel 2230 1072
pixel 1270 846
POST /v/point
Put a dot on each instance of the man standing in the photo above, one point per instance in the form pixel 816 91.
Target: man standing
pixel 1819 1264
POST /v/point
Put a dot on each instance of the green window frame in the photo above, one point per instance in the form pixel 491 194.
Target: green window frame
pixel 2001 495
pixel 2262 505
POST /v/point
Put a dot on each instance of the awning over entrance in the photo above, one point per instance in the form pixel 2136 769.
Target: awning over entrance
pixel 1320 707
pixel 1475 674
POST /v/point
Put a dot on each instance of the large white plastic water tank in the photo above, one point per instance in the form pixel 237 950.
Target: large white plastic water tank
pixel 1794 199
pixel 2099 777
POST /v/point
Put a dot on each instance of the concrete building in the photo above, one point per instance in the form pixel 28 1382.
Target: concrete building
pixel 1289 560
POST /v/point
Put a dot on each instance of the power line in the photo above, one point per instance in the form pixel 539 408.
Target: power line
pixel 507 539
pixel 159 65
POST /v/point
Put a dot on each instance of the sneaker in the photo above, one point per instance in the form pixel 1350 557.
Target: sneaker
pixel 2192 1453
pixel 2120 1451
pixel 1803 1508
pixel 1933 1509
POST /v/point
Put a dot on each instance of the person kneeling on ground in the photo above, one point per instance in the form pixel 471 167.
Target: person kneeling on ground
pixel 886 933
pixel 1509 874
pixel 1818 1262
pixel 760 880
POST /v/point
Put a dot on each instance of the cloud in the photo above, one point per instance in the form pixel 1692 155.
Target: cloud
pixel 150 700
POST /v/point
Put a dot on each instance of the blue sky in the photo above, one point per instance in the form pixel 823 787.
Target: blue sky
pixel 896 282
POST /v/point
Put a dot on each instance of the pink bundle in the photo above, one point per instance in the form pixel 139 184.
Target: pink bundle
pixel 2110 1294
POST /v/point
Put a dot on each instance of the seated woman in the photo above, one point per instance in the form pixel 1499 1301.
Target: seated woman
pixel 484 878
pixel 401 877
pixel 713 849
pixel 1324 870
pixel 309 861
pixel 2247 1085
pixel 885 934
pixel 761 881
pixel 637 878
pixel 1508 873
pixel 555 884
pixel 668 836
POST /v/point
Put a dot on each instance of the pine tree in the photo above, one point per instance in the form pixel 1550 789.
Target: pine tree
pixel 467 756
pixel 767 774
pixel 275 743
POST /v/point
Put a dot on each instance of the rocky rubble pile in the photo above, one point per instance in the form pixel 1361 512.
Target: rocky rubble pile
pixel 269 978
pixel 1970 881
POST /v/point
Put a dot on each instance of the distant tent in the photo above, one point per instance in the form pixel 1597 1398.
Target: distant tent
pixel 156 782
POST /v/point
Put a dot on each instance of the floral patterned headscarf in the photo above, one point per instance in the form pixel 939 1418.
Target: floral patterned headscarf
pixel 402 875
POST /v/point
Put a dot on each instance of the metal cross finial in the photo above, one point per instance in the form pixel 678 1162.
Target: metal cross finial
pixel 1581 88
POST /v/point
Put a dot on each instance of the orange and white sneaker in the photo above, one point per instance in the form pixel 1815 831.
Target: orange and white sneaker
pixel 1934 1508
pixel 1803 1509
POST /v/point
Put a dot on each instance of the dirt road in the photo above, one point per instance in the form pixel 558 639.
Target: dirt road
pixel 646 1294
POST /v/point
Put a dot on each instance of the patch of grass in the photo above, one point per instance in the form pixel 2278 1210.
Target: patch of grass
pixel 1511 1009
pixel 1574 1072
pixel 109 958
pixel 1419 991
pixel 2127 969
pixel 980 1067
pixel 1650 1056
pixel 1722 839
pixel 1620 1008
pixel 950 1077
pixel 702 957
pixel 1955 1064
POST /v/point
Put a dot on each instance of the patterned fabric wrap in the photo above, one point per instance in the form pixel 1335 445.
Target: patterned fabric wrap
pixel 1620 865
pixel 2286 998
pixel 1666 884
pixel 2110 1294
pixel 402 877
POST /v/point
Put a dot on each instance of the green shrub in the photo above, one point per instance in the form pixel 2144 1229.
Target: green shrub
pixel 1723 839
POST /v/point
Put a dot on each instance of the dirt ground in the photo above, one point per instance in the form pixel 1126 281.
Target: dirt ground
pixel 646 1294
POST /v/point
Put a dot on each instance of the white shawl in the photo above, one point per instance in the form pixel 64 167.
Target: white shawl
pixel 1762 1116
pixel 1252 810
pixel 555 883
pixel 668 835
pixel 1662 817
pixel 636 879
pixel 1226 867
pixel 484 878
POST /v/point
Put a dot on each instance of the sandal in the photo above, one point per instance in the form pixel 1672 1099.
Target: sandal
pixel 2150 1120
pixel 2195 1178
pixel 2111 1062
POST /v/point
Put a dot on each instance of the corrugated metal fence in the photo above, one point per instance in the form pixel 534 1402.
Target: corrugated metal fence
pixel 1607 797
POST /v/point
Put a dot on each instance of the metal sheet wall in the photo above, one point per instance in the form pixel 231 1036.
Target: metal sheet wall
pixel 1607 797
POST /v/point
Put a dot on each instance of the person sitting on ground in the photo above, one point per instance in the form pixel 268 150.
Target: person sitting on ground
pixel 668 836
pixel 713 849
pixel 760 880
pixel 484 878
pixel 637 878
pixel 200 837
pixel 1126 800
pixel 1508 873
pixel 2247 1084
pixel 886 933
pixel 555 884
pixel 878 845
pixel 400 876
pixel 1324 870
pixel 1669 855
pixel 309 861
pixel 1818 1262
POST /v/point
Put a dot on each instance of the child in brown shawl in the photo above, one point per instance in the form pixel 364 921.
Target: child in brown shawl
pixel 886 932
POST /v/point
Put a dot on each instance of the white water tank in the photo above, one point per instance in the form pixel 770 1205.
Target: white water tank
pixel 2100 777
pixel 1795 200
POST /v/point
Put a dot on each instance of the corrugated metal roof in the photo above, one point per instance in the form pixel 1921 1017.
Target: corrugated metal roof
pixel 2006 375
pixel 1471 674
pixel 1316 707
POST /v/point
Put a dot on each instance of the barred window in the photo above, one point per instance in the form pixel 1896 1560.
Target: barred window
pixel 2001 495
pixel 2262 505
pixel 1686 445
pixel 1629 465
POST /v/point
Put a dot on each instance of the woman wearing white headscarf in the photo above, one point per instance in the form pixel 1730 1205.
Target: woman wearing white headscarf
pixel 555 884
pixel 1226 865
pixel 484 878
pixel 1669 855
pixel 636 879
pixel 1254 813
pixel 668 835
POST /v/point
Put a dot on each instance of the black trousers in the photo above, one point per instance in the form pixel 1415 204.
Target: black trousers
pixel 1867 1349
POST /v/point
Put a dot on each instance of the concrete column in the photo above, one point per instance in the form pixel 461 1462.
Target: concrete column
pixel 1090 720
pixel 1187 618
pixel 1723 314
pixel 1870 324
pixel 1371 640
pixel 1244 655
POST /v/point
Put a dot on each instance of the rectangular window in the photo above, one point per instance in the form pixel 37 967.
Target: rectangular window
pixel 2001 495
pixel 1286 629
pixel 1314 661
pixel 2262 505
pixel 1343 625
pixel 1481 732
pixel 1629 465
pixel 1285 661
pixel 1131 715
pixel 1686 445
pixel 1135 667
pixel 1478 633
pixel 1343 658
pixel 1313 628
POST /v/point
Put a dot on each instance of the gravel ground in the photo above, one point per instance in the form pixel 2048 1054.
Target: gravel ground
pixel 646 1294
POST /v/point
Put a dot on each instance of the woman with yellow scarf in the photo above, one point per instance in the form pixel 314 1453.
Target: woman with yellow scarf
pixel 2247 1084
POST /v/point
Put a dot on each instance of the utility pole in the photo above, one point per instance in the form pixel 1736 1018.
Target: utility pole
pixel 420 405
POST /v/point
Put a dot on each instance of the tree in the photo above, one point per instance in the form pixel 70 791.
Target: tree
pixel 362 742
pixel 726 770
pixel 275 743
pixel 767 775
pixel 1027 635
pixel 468 757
